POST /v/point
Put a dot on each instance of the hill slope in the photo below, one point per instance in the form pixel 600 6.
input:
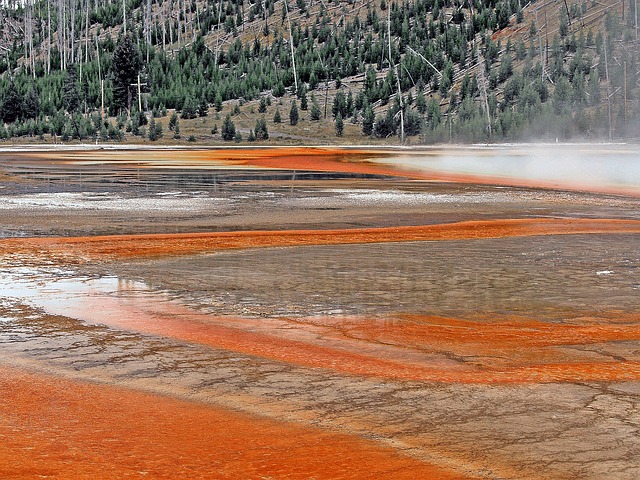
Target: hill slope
pixel 418 71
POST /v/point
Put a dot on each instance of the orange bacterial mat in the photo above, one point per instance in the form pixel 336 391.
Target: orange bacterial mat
pixel 55 428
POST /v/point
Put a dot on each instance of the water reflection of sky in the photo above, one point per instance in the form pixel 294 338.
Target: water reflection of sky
pixel 60 292
pixel 614 167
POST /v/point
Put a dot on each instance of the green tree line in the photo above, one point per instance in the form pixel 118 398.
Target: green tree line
pixel 428 68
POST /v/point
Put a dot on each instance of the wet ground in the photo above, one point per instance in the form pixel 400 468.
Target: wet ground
pixel 354 324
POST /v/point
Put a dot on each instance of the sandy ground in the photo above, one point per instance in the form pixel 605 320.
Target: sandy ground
pixel 394 326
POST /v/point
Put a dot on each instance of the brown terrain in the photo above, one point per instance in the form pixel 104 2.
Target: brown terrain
pixel 292 313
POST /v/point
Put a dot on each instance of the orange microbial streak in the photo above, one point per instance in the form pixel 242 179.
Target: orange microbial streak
pixel 479 350
pixel 424 348
pixel 56 428
pixel 119 246
pixel 497 349
pixel 473 350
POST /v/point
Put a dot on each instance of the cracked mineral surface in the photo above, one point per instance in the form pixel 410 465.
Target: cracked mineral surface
pixel 169 323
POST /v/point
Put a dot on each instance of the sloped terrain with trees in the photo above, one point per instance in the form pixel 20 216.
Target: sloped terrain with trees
pixel 419 71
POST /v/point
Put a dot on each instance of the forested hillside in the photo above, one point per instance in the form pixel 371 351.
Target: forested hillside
pixel 384 71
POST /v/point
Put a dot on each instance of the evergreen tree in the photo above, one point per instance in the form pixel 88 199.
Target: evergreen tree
pixel 203 107
pixel 135 125
pixel 434 115
pixel 339 125
pixel 561 96
pixel 315 113
pixel 278 90
pixel 277 118
pixel 218 102
pixel 564 23
pixel 293 113
pixel 261 131
pixel 263 105
pixel 31 107
pixel 302 94
pixel 349 105
pixel 367 120
pixel 125 66
pixel 421 102
pixel 412 122
pixel 153 133
pixel 176 130
pixel 11 104
pixel 386 126
pixel 339 105
pixel 71 95
pixel 173 121
pixel 228 129
pixel 189 108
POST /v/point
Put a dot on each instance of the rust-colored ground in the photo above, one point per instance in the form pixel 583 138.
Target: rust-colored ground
pixel 54 428
pixel 122 246
pixel 488 350
pixel 500 350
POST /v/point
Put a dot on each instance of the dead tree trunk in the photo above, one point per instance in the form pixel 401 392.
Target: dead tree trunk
pixel 124 16
pixel 86 33
pixel 72 14
pixel 170 17
pixel 148 26
pixel 164 27
pixel 61 32
pixel 293 57
pixel 32 53
pixel 397 77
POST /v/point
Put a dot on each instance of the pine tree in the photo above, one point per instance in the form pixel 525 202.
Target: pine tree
pixel 421 103
pixel 125 66
pixel 277 118
pixel 153 133
pixel 11 104
pixel 339 125
pixel 564 23
pixel 339 104
pixel 316 113
pixel 302 94
pixel 218 102
pixel 203 107
pixel 158 129
pixel 263 105
pixel 189 108
pixel 173 121
pixel 228 129
pixel 71 95
pixel 31 107
pixel 367 120
pixel 293 113
pixel 135 125
pixel 261 131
